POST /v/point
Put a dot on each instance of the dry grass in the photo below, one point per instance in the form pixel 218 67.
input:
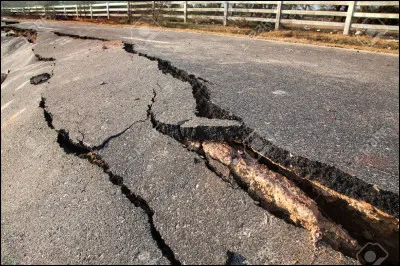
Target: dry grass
pixel 324 38
pixel 334 40
pixel 331 38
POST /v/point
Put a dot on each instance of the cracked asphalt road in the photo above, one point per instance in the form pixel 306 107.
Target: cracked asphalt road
pixel 199 216
pixel 57 208
pixel 351 121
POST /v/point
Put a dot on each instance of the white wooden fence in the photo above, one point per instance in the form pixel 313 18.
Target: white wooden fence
pixel 228 11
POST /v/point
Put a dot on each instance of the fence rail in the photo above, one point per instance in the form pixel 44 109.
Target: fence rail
pixel 272 12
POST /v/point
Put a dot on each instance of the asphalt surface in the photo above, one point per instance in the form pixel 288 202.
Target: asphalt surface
pixel 331 105
pixel 199 216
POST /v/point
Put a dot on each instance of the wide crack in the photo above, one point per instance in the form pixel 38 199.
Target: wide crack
pixel 9 22
pixel 327 175
pixel 312 186
pixel 322 212
pixel 294 211
pixel 84 152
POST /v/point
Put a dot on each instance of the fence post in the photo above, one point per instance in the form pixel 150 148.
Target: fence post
pixel 278 14
pixel 128 5
pixel 91 11
pixel 349 16
pixel 108 11
pixel 65 12
pixel 226 6
pixel 185 11
pixel 76 8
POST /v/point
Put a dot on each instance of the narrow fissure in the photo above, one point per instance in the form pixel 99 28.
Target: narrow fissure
pixel 41 58
pixel 82 151
pixel 106 141
pixel 47 115
pixel 79 36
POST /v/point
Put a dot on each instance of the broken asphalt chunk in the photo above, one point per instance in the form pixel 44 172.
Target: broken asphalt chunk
pixel 41 78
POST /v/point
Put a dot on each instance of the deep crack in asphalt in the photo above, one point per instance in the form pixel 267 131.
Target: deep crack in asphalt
pixel 84 152
pixel 331 209
pixel 320 172
pixel 311 177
